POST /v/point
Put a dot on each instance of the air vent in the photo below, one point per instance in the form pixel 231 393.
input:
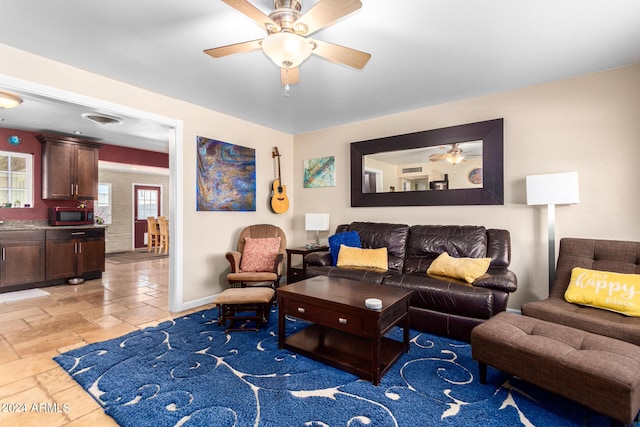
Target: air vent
pixel 412 170
pixel 102 120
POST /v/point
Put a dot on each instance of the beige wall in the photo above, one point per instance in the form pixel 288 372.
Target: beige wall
pixel 119 234
pixel 587 124
pixel 206 236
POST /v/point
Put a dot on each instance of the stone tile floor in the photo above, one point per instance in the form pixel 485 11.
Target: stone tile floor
pixel 34 390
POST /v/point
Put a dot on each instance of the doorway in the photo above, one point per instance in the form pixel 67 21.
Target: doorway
pixel 146 203
pixel 174 131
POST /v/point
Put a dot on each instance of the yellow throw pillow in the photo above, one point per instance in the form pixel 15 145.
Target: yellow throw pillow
pixel 349 257
pixel 607 290
pixel 468 269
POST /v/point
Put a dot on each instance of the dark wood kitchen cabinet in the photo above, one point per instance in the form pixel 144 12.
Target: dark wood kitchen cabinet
pixel 69 168
pixel 75 253
pixel 22 257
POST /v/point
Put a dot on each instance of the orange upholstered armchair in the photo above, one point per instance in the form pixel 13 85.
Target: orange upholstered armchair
pixel 259 257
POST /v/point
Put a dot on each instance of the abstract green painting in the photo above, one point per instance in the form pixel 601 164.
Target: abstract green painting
pixel 320 172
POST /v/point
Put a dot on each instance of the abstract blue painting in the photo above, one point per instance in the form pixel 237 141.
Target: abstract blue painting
pixel 226 176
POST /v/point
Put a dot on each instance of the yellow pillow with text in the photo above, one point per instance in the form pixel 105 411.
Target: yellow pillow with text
pixel 349 257
pixel 604 289
pixel 467 269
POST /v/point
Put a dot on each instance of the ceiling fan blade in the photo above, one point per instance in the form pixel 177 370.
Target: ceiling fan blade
pixel 437 157
pixel 255 14
pixel 325 13
pixel 219 52
pixel 292 78
pixel 340 54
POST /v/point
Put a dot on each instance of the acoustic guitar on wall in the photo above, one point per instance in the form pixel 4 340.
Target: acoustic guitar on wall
pixel 279 199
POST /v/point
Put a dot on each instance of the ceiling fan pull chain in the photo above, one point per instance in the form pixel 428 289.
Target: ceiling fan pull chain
pixel 286 79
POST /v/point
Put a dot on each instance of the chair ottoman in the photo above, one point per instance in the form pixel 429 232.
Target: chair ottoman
pixel 598 372
pixel 233 302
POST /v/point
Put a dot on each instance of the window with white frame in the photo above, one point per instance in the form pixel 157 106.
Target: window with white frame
pixel 16 179
pixel 102 209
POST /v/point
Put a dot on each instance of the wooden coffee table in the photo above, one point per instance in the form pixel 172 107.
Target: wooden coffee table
pixel 345 333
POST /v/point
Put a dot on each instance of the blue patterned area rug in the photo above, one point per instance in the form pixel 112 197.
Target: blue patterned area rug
pixel 188 372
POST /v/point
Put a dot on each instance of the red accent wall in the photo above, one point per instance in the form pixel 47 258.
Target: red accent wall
pixel 31 145
pixel 133 156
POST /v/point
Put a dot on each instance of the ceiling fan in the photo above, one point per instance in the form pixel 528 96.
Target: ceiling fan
pixel 454 155
pixel 286 43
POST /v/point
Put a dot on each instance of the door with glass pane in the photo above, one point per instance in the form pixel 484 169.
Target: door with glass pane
pixel 146 204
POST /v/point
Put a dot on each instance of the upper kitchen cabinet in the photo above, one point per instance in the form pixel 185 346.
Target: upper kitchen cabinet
pixel 69 168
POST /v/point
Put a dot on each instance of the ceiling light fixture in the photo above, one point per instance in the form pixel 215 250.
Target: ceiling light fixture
pixel 286 43
pixel 287 50
pixel 9 100
pixel 455 159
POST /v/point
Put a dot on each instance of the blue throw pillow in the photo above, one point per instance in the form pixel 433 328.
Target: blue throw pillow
pixel 348 238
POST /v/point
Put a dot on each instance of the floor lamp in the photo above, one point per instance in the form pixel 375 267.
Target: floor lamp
pixel 316 222
pixel 551 190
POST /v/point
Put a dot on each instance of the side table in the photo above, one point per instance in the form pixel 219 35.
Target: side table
pixel 298 272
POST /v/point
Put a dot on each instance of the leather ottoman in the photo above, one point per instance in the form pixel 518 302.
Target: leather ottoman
pixel 599 372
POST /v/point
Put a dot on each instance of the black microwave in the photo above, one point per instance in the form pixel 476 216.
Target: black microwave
pixel 70 216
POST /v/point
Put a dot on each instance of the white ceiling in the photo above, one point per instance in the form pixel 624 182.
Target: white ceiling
pixel 424 52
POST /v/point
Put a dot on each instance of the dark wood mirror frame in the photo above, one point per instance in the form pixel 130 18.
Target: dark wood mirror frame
pixel 491 133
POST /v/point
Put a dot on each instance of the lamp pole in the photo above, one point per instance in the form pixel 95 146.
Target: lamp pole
pixel 551 215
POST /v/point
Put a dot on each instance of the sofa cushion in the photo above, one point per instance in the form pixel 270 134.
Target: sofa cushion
pixel 468 269
pixel 375 235
pixel 589 319
pixel 368 276
pixel 604 289
pixel 446 295
pixel 349 257
pixel 427 242
pixel 349 238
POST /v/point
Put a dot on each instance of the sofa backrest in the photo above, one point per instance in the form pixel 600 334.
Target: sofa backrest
pixel 375 235
pixel 427 242
pixel 412 249
pixel 605 255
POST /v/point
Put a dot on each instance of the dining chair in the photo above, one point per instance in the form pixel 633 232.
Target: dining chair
pixel 163 235
pixel 153 238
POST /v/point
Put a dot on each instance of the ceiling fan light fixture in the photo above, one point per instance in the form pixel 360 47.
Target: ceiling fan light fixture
pixel 9 100
pixel 287 49
pixel 454 160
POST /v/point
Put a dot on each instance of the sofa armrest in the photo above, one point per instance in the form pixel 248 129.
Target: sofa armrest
pixel 234 260
pixel 318 258
pixel 500 279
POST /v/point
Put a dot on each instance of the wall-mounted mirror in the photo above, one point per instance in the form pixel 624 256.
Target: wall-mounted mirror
pixel 458 165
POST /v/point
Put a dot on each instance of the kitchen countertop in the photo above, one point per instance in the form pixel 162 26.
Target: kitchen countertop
pixel 41 225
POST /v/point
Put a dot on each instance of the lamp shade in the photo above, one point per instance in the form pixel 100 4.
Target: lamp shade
pixel 287 49
pixel 316 221
pixel 553 189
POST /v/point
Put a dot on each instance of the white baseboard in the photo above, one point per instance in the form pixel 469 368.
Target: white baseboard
pixel 514 311
pixel 197 303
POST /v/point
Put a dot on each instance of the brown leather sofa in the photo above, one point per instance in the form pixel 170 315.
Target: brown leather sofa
pixel 439 305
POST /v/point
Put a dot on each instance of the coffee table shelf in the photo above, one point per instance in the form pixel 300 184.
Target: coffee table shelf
pixel 343 350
